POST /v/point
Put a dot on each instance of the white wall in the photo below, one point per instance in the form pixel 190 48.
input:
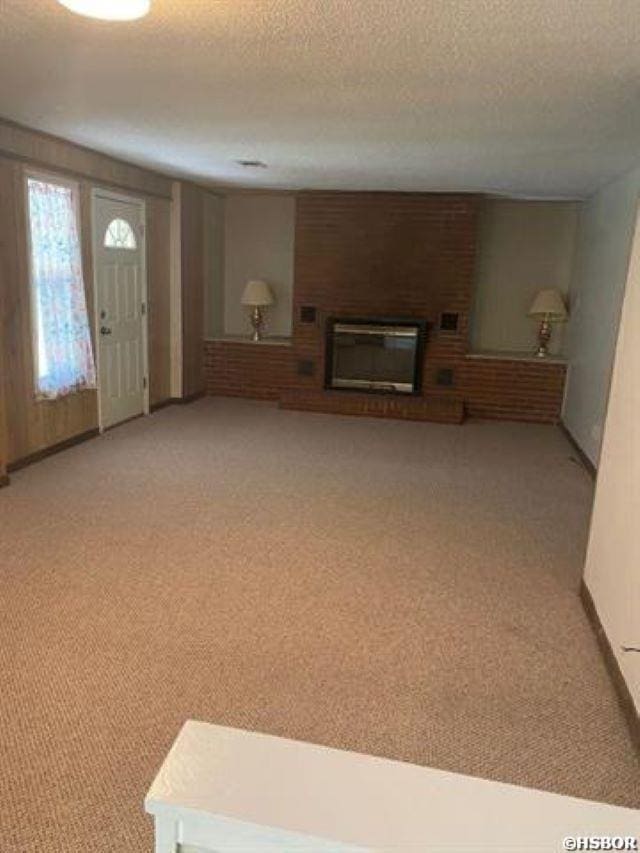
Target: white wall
pixel 523 247
pixel 259 242
pixel 612 571
pixel 603 244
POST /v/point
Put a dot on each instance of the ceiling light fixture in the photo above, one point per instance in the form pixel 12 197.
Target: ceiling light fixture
pixel 109 10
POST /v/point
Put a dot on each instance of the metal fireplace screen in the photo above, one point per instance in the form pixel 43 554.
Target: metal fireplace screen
pixel 374 355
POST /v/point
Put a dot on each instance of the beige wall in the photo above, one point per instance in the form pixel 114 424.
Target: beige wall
pixel 612 571
pixel 259 240
pixel 192 280
pixel 603 245
pixel 214 265
pixel 523 246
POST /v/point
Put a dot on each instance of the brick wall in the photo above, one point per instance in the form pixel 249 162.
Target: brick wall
pixel 260 371
pixel 384 255
pixel 512 389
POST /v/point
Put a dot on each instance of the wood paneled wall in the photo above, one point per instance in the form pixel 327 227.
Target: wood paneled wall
pixel 46 152
pixel 4 479
pixel 193 270
pixel 33 426
pixel 158 274
pixel 3 403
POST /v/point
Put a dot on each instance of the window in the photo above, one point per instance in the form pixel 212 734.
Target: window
pixel 62 340
pixel 119 235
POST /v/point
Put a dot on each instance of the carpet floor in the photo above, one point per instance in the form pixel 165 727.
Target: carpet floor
pixel 403 589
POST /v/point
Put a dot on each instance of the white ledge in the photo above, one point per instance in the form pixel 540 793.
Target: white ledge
pixel 242 339
pixel 226 790
pixel 504 355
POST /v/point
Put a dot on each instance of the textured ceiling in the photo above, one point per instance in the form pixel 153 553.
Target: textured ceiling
pixel 536 97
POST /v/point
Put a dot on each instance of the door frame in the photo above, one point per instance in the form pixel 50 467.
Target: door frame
pixel 110 195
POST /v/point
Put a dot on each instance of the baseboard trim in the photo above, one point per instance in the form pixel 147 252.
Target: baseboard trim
pixel 588 464
pixel 125 421
pixel 176 401
pixel 85 436
pixel 613 667
pixel 51 451
pixel 155 407
pixel 190 398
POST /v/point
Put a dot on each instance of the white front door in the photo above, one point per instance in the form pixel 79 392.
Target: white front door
pixel 119 260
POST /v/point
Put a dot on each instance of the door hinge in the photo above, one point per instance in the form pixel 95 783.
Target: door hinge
pixel 144 381
pixel 144 308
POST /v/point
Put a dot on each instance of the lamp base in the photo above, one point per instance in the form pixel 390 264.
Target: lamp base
pixel 257 323
pixel 544 336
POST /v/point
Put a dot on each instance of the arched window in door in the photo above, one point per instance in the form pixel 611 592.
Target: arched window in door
pixel 119 235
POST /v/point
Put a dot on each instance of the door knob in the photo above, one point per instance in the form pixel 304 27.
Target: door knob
pixel 105 330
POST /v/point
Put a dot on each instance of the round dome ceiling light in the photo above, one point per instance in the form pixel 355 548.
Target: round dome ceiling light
pixel 109 10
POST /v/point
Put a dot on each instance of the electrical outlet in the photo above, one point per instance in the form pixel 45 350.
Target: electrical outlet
pixel 306 367
pixel 444 376
pixel 307 314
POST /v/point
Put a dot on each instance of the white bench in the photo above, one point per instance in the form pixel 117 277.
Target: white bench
pixel 224 790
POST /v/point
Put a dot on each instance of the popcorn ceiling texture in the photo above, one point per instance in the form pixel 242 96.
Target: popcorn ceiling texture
pixel 497 95
pixel 406 590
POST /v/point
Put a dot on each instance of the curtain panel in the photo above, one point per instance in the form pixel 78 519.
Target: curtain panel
pixel 62 338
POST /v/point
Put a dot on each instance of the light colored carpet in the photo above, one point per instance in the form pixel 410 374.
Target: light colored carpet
pixel 402 589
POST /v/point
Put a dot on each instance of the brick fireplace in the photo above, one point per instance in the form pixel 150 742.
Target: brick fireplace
pixel 385 255
pixel 381 256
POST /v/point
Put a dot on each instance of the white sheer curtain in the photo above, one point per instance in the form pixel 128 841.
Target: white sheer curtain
pixel 64 357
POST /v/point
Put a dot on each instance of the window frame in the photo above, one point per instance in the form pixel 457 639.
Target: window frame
pixel 74 187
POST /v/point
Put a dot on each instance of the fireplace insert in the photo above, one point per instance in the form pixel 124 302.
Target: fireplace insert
pixel 382 356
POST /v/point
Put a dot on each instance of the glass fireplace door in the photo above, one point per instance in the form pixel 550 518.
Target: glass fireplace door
pixel 374 356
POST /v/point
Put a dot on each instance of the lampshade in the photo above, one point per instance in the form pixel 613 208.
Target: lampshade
pixel 550 304
pixel 257 293
pixel 109 10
